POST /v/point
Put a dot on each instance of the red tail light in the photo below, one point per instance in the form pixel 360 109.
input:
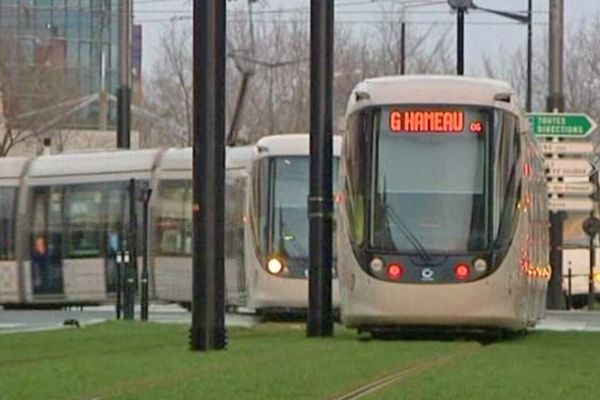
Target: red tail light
pixel 461 272
pixel 395 271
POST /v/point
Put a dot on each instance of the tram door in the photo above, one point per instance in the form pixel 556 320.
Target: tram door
pixel 47 241
pixel 235 277
pixel 114 201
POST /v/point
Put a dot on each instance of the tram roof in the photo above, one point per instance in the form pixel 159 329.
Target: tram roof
pixel 181 159
pixel 117 162
pixel 431 89
pixel 291 144
pixel 12 167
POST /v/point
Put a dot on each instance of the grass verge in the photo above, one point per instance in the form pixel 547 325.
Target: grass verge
pixel 121 360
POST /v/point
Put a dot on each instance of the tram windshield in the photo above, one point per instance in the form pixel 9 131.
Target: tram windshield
pixel 429 192
pixel 284 220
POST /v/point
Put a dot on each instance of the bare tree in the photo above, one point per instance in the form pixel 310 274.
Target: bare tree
pixel 275 54
pixel 37 97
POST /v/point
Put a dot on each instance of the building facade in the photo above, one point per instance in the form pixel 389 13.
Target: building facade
pixel 59 50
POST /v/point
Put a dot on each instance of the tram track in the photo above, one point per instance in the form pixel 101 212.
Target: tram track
pixel 409 371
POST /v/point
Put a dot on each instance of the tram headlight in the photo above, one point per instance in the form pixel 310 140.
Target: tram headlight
pixel 480 265
pixel 376 265
pixel 274 266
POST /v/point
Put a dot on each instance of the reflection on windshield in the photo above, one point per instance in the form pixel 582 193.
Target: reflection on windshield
pixel 290 188
pixel 429 192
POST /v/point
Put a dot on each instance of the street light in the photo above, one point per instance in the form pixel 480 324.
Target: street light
pixel 463 5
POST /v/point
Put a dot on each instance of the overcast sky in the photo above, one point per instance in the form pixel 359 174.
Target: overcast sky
pixel 485 34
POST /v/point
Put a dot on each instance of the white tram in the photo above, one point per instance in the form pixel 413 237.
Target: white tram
pixel 276 236
pixel 66 223
pixel 63 218
pixel 443 221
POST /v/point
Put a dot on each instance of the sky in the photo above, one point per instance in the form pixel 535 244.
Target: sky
pixel 485 34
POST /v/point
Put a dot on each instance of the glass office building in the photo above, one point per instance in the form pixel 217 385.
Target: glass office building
pixel 62 45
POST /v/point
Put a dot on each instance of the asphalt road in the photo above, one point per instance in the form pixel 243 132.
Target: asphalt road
pixel 34 320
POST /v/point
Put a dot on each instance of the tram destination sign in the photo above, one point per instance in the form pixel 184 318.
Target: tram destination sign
pixel 577 204
pixel 572 188
pixel 562 167
pixel 576 126
pixel 580 147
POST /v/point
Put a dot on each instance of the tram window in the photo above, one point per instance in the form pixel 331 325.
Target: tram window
pixel 7 223
pixel 84 221
pixel 506 176
pixel 356 181
pixel 234 210
pixel 175 218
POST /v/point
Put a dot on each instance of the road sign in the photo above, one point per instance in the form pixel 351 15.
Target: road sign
pixel 567 167
pixel 582 204
pixel 566 147
pixel 591 226
pixel 576 126
pixel 573 188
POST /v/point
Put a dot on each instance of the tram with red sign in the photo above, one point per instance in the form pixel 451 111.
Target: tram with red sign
pixel 443 217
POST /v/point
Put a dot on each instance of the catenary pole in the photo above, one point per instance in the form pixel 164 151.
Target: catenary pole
pixel 124 90
pixel 556 103
pixel 320 201
pixel 208 282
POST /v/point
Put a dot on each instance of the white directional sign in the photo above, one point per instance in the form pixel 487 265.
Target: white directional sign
pixel 567 167
pixel 581 204
pixel 566 147
pixel 572 188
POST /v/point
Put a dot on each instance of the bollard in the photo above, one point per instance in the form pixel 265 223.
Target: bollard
pixel 119 300
pixel 570 290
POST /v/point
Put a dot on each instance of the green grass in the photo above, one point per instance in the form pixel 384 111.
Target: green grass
pixel 120 360
pixel 543 365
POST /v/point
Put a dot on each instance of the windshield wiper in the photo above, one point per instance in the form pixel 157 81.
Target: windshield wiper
pixel 414 241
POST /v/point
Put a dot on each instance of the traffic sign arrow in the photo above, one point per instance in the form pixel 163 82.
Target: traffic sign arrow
pixel 567 167
pixel 566 147
pixel 574 188
pixel 561 125
pixel 570 204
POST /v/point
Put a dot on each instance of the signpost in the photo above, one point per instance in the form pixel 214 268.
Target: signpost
pixel 580 147
pixel 568 204
pixel 562 167
pixel 572 188
pixel 575 126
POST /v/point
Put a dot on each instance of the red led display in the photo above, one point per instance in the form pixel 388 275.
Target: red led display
pixel 413 121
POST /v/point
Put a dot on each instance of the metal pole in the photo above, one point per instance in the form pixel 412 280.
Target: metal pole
pixel 403 49
pixel 124 90
pixel 591 294
pixel 131 265
pixel 144 295
pixel 208 276
pixel 460 41
pixel 320 202
pixel 119 300
pixel 556 103
pixel 529 55
pixel 570 290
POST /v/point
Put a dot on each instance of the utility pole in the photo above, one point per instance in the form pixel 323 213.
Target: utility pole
pixel 124 91
pixel 320 201
pixel 460 41
pixel 556 104
pixel 529 55
pixel 208 274
pixel 461 6
pixel 403 48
